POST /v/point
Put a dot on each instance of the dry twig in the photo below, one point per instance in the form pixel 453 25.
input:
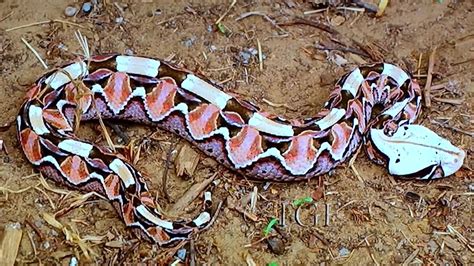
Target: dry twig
pixel 262 14
pixel 35 53
pixel 190 195
pixel 45 22
pixel 226 12
pixel 303 21
pixel 7 16
pixel 427 90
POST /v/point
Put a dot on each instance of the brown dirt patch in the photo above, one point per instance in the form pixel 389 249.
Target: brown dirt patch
pixel 379 220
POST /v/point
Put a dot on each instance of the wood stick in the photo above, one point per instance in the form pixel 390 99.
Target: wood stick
pixel 429 77
pixel 192 193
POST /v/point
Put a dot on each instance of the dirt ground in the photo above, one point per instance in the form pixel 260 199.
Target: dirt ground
pixel 373 218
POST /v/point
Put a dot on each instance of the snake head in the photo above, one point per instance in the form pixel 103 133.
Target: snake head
pixel 415 151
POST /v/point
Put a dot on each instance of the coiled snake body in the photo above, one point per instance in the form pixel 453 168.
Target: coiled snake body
pixel 374 105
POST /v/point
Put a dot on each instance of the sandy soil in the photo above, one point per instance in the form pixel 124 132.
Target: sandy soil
pixel 377 220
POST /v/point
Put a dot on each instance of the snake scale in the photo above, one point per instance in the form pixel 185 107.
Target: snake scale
pixel 373 106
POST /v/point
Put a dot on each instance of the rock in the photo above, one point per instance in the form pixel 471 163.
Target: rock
pixel 70 11
pixel 181 254
pixel 188 42
pixel 87 7
pixel 46 244
pixel 432 246
pixel 452 243
pixel 128 51
pixel 276 245
pixel 343 252
pixel 73 262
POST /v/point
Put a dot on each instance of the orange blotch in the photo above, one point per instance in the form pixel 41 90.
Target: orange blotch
pixel 32 92
pixel 161 99
pixel 117 91
pixel 147 200
pixel 50 97
pixel 128 215
pixel 355 106
pixel 56 119
pixel 31 145
pixel 158 234
pixel 112 186
pixel 203 120
pixel 367 92
pixel 341 136
pixel 82 97
pixel 233 118
pixel 245 146
pixel 75 169
pixel 301 153
pixel 99 74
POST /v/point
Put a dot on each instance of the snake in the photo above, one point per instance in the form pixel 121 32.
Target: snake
pixel 368 106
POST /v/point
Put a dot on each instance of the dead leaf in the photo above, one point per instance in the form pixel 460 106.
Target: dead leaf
pixel 187 161
pixel 10 243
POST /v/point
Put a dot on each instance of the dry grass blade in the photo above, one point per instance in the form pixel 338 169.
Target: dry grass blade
pixel 278 105
pixel 44 22
pixel 8 190
pixel 7 16
pixel 461 238
pixel 262 14
pixel 381 9
pixel 429 77
pixel 450 101
pixel 48 187
pixel 260 55
pixel 226 12
pixel 411 257
pixel 351 165
pixel 84 44
pixel 71 235
pixel 35 53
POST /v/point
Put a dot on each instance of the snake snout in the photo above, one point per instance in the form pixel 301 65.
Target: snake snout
pixel 415 151
pixel 451 164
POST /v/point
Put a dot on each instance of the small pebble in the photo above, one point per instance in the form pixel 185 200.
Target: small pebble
pixel 38 223
pixel 73 262
pixel 70 11
pixel 343 252
pixel 181 254
pixel 471 187
pixel 245 57
pixel 276 245
pixel 247 53
pixel 46 245
pixel 252 50
pixel 432 246
pixel 53 233
pixel 128 51
pixel 119 20
pixel 212 48
pixel 87 7
pixel 189 41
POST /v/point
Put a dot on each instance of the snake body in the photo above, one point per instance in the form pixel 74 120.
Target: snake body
pixel 222 125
